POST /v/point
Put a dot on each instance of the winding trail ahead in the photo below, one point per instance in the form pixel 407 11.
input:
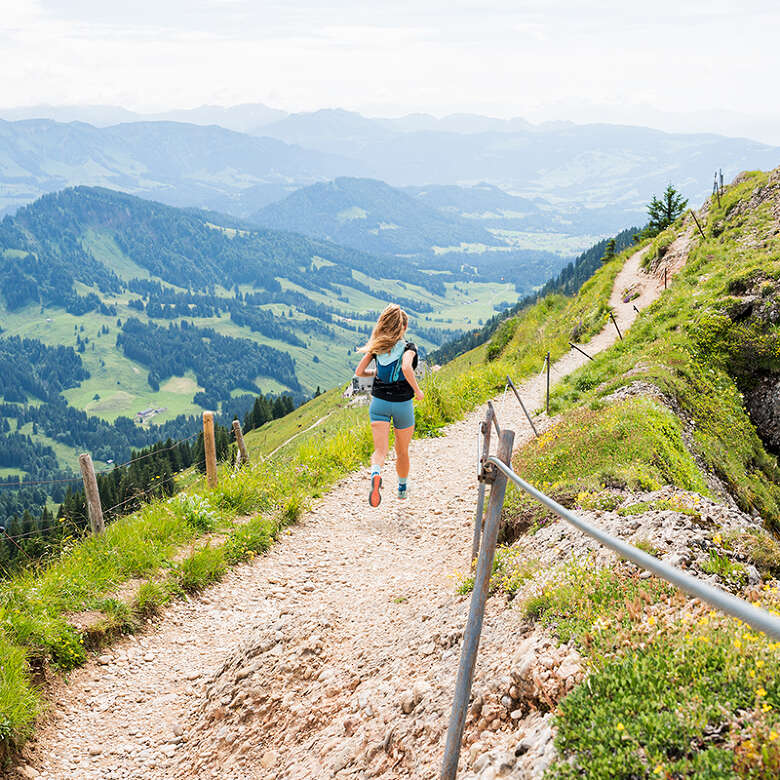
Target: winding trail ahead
pixel 334 655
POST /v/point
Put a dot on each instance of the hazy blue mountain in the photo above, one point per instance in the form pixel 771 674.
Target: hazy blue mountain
pixel 584 165
pixel 180 164
pixel 332 130
pixel 588 180
pixel 372 216
pixel 242 118
pixel 99 116
pixel 494 208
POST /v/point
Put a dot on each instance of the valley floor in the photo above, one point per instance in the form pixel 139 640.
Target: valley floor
pixel 335 654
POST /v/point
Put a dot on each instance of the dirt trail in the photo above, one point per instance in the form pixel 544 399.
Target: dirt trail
pixel 334 655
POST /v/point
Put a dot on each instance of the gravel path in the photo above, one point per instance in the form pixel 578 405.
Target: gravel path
pixel 332 655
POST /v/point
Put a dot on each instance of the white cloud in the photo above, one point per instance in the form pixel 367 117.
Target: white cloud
pixel 504 57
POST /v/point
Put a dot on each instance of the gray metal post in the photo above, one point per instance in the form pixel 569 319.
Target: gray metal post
pixel 548 384
pixel 522 406
pixel 468 654
pixel 478 516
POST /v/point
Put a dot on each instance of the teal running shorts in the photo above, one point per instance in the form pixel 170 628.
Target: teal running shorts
pixel 401 412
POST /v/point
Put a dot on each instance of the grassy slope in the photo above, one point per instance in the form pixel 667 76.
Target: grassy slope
pixel 679 692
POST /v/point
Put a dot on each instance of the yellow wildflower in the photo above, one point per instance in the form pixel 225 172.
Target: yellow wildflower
pixel 761 692
pixel 772 735
pixel 620 727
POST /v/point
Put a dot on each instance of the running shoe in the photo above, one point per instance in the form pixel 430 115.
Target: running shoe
pixel 374 496
pixel 403 490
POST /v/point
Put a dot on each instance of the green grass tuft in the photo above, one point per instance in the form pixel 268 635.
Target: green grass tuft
pixel 203 567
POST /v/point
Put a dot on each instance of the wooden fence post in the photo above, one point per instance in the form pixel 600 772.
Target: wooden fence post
pixel 210 449
pixel 243 455
pixel 697 224
pixel 92 494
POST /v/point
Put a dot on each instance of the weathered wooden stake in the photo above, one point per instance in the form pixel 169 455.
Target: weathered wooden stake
pixel 697 223
pixel 210 449
pixel 92 494
pixel 468 653
pixel 665 275
pixel 614 322
pixel 243 455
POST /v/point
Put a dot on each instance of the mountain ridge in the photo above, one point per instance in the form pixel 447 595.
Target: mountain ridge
pixel 569 166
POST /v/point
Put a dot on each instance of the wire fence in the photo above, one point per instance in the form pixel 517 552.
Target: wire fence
pixel 21 484
pixel 24 483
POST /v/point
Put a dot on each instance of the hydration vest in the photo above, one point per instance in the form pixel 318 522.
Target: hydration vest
pixel 390 383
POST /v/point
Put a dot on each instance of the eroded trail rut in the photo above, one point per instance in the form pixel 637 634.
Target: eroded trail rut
pixel 333 655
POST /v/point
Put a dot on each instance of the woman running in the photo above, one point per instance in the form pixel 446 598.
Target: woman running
pixel 395 385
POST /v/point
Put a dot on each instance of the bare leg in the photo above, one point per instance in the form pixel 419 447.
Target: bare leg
pixel 402 439
pixel 381 433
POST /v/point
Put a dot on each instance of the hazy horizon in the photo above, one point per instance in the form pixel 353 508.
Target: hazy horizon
pixel 691 68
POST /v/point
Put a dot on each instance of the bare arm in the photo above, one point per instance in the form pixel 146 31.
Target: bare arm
pixel 363 369
pixel 406 367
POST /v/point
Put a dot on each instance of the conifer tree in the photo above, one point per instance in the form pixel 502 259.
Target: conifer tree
pixel 664 211
pixel 609 251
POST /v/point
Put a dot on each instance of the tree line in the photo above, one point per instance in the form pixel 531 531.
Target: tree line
pixel 151 473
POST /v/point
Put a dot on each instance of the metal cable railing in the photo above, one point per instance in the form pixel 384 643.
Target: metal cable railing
pixel 754 616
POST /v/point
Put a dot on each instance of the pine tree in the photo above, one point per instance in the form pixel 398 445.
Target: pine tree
pixel 609 251
pixel 664 211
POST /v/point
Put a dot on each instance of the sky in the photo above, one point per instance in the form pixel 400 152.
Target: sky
pixel 687 64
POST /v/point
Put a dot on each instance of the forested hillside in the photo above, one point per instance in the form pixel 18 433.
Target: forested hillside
pixel 122 319
pixel 369 215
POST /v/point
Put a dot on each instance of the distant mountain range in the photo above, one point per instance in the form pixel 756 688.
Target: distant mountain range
pixel 592 165
pixel 587 179
pixel 180 164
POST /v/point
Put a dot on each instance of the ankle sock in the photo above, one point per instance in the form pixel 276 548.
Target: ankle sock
pixel 375 469
pixel 402 483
